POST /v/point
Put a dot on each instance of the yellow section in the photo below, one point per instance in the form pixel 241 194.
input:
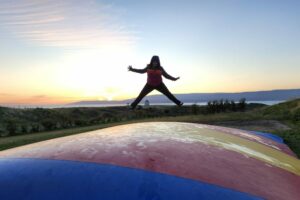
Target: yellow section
pixel 249 148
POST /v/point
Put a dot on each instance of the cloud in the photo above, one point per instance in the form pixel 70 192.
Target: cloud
pixel 68 23
pixel 40 97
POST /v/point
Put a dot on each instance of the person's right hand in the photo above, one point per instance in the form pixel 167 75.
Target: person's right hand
pixel 129 68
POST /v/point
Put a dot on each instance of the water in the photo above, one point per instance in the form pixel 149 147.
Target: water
pixel 118 105
pixel 269 103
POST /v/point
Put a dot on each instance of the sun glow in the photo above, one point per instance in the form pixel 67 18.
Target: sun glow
pixel 95 74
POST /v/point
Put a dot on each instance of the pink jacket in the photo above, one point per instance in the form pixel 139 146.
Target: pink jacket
pixel 154 76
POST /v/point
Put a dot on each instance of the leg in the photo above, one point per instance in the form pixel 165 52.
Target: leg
pixel 146 90
pixel 163 89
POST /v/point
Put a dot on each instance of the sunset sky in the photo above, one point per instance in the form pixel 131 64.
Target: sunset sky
pixel 54 51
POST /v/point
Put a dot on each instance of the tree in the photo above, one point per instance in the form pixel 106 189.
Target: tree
pixel 221 105
pixel 26 128
pixel 11 127
pixel 242 104
pixel 226 105
pixel 49 124
pixel 209 107
pixel 195 109
pixel 232 106
pixel 3 131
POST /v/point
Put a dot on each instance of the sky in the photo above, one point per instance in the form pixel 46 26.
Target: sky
pixel 56 52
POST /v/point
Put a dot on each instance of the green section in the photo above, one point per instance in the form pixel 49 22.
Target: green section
pixel 284 111
pixel 289 114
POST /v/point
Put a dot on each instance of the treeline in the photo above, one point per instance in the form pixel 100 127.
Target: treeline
pixel 23 121
pixel 218 106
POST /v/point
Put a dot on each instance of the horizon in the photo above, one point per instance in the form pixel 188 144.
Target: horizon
pixel 55 52
pixel 122 100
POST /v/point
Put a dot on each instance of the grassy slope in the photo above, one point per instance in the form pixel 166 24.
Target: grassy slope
pixel 289 110
pixel 288 113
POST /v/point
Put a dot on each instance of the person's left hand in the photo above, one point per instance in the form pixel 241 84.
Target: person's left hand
pixel 177 78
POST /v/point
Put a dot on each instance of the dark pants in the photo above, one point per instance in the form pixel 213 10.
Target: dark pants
pixel 161 88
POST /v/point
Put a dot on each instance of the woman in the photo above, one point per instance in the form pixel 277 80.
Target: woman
pixel 154 81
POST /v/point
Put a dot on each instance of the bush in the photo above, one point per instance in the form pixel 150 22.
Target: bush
pixel 195 109
pixel 296 115
pixel 49 124
pixel 26 128
pixel 218 106
pixel 3 131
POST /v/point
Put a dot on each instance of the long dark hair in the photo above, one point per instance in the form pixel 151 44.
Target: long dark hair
pixel 154 59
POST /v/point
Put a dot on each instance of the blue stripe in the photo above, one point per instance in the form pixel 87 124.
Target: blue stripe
pixel 271 136
pixel 37 179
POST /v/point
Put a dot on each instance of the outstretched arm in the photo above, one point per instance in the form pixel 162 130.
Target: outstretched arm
pixel 141 71
pixel 168 76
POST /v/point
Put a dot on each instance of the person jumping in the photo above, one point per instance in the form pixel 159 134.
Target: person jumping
pixel 154 81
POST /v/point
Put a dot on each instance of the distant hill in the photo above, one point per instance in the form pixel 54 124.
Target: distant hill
pixel 271 95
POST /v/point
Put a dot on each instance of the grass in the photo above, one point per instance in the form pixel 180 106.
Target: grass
pixel 292 139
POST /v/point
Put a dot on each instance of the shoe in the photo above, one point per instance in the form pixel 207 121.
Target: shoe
pixel 181 104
